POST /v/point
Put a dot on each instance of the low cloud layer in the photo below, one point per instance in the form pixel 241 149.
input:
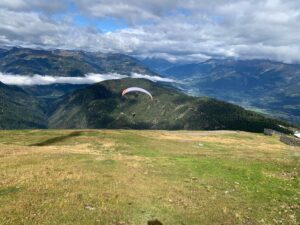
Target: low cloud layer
pixel 176 30
pixel 90 78
pixel 152 78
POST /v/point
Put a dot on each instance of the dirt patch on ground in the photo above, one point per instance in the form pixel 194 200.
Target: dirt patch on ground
pixel 186 135
pixel 287 176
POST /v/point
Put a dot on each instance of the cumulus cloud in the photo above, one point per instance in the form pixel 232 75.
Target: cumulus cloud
pixel 12 79
pixel 40 5
pixel 176 30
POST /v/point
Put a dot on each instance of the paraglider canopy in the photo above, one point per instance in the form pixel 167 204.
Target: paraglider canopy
pixel 136 89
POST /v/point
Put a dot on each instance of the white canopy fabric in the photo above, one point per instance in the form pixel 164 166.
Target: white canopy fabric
pixel 131 89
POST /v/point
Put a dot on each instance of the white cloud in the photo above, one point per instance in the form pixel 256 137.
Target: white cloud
pixel 40 5
pixel 153 78
pixel 12 79
pixel 183 30
pixel 12 4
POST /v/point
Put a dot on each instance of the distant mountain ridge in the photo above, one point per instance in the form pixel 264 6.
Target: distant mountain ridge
pixel 158 65
pixel 26 61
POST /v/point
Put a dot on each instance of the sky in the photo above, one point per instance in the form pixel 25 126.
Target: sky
pixel 190 30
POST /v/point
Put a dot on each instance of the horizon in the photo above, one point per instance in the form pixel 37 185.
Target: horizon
pixel 179 63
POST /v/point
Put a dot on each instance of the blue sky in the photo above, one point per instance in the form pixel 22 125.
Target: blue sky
pixel 105 24
pixel 191 30
pixel 108 24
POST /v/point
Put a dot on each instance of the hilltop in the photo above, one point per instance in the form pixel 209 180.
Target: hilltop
pixel 120 177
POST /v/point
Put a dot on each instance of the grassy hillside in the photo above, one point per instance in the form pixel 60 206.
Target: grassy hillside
pixel 102 106
pixel 110 177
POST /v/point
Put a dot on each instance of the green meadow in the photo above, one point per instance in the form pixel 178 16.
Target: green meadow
pixel 128 177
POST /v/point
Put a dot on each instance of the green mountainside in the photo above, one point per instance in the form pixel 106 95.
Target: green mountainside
pixel 19 110
pixel 102 106
pixel 52 91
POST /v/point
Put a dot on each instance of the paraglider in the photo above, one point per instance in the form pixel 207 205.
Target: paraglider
pixel 136 89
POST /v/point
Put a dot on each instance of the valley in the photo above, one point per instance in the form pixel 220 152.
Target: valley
pixel 266 86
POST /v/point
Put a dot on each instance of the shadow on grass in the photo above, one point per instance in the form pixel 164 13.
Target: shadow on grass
pixel 9 190
pixel 57 139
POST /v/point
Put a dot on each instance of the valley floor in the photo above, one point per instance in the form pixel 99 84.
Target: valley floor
pixel 122 177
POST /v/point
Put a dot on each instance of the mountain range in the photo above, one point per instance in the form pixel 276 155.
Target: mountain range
pixel 67 63
pixel 158 65
pixel 263 85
